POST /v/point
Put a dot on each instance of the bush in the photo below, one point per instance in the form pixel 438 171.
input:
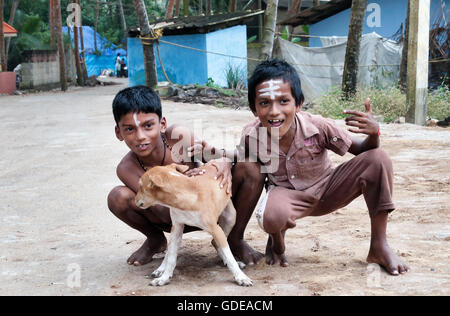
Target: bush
pixel 438 106
pixel 389 103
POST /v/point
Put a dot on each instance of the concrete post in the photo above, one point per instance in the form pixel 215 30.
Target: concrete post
pixel 417 71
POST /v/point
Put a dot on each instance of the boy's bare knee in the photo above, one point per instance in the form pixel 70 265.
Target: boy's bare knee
pixel 119 199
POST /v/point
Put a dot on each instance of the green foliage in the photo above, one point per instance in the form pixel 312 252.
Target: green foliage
pixel 438 103
pixel 389 103
pixel 286 35
pixel 235 75
pixel 211 84
pixel 252 39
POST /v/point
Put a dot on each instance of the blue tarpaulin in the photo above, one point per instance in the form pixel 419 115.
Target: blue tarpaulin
pixel 106 51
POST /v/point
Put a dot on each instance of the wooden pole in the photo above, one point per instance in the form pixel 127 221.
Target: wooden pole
pixel 417 69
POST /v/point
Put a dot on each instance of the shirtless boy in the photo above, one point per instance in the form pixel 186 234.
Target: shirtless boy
pixel 140 124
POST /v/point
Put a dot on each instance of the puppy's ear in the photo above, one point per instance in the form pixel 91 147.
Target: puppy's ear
pixel 182 168
pixel 157 180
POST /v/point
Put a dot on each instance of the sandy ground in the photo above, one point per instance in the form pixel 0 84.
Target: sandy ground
pixel 57 236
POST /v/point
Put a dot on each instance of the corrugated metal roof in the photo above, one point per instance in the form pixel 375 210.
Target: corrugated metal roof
pixel 318 13
pixel 203 23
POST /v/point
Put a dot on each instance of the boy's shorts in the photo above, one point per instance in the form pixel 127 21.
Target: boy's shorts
pixel 370 173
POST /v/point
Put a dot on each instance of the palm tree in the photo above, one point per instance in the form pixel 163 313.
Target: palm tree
pixel 232 5
pixel 351 65
pixel 270 23
pixel 96 24
pixel 177 8
pixel 169 13
pixel 59 37
pixel 186 7
pixel 76 33
pixel 2 40
pixel 124 23
pixel 149 54
pixel 14 6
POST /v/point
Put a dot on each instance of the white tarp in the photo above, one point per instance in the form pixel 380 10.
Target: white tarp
pixel 320 68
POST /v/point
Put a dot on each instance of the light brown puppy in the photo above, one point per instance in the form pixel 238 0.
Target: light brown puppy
pixel 195 201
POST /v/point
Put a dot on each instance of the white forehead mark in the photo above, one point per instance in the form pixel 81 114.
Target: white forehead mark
pixel 136 120
pixel 272 89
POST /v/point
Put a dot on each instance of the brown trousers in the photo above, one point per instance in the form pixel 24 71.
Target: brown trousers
pixel 370 173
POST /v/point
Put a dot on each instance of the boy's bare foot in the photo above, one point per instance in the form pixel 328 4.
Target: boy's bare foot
pixel 244 252
pixel 145 253
pixel 275 252
pixel 382 254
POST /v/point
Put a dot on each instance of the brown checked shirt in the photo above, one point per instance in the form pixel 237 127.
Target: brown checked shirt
pixel 306 166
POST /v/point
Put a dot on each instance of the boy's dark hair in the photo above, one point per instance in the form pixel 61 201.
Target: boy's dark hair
pixel 274 69
pixel 135 100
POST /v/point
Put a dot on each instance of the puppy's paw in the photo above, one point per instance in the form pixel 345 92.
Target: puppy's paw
pixel 160 281
pixel 157 273
pixel 244 281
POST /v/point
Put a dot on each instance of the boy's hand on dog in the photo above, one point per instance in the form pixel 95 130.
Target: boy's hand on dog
pixel 364 122
pixel 223 166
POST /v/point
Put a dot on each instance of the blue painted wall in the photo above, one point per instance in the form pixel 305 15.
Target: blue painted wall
pixel 383 17
pixel 231 41
pixel 186 66
pixel 136 69
pixel 183 66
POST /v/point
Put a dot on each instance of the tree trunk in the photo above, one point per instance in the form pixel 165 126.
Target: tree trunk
pixel 83 59
pixel 351 66
pixel 51 17
pixel 124 24
pixel 96 24
pixel 2 40
pixel 208 7
pixel 316 3
pixel 169 12
pixel 200 7
pixel 14 6
pixel 59 38
pixel 185 7
pixel 232 5
pixel 295 8
pixel 177 8
pixel 76 34
pixel 149 54
pixel 270 23
pixel 404 62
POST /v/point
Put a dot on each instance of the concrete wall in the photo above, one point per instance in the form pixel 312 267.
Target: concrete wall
pixel 383 17
pixel 40 69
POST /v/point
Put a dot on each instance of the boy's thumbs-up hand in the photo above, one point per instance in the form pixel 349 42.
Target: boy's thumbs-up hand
pixel 364 122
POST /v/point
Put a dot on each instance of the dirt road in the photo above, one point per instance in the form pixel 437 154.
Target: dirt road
pixel 57 236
